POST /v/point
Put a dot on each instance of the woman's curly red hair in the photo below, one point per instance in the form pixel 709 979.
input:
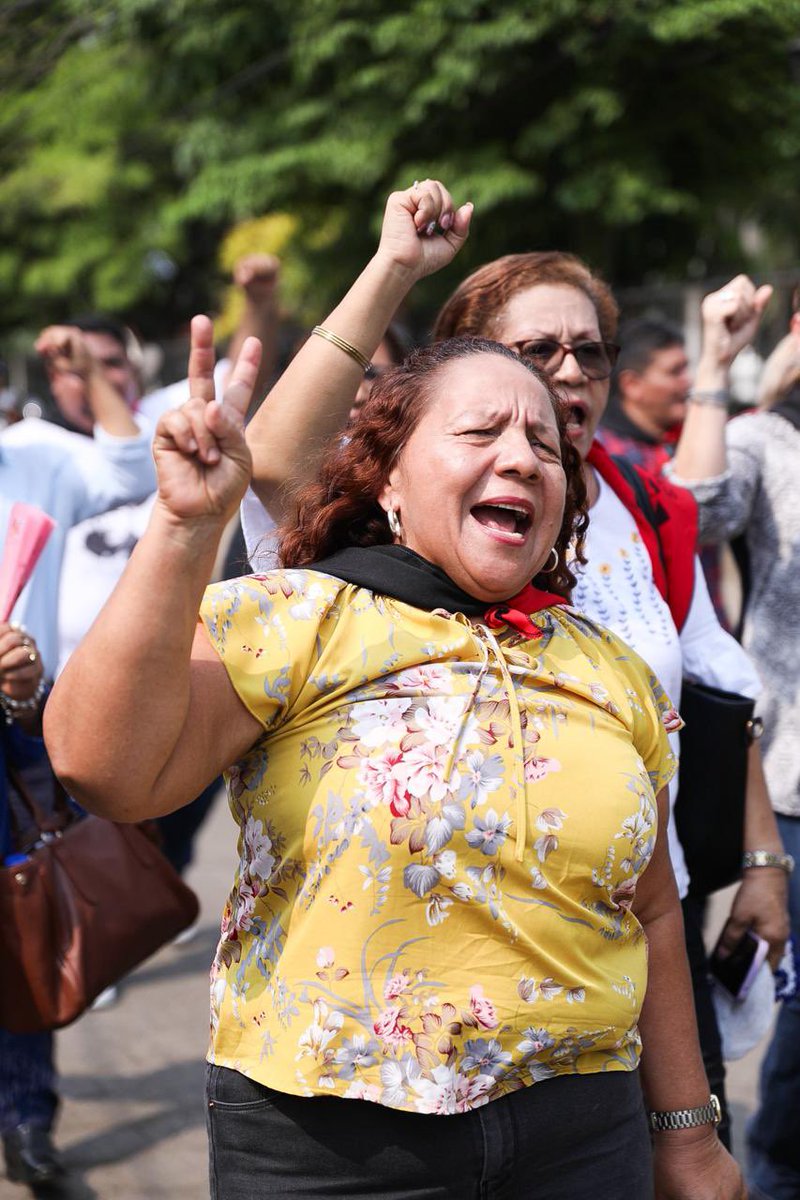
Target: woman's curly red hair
pixel 340 508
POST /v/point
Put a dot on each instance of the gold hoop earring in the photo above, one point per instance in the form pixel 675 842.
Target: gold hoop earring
pixel 394 523
pixel 549 570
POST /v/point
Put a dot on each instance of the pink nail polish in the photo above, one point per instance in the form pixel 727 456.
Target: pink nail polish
pixel 446 221
pixel 431 229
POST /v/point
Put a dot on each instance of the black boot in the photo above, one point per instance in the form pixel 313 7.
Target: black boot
pixel 31 1156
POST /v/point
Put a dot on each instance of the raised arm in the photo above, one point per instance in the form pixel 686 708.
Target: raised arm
pixel 256 277
pixel 143 716
pixel 64 349
pixel 730 320
pixel 309 404
pixel 782 368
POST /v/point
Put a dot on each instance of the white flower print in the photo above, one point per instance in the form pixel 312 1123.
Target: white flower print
pixel 441 719
pixel 358 1051
pixel 534 1041
pixel 487 1057
pixel 425 767
pixel 484 776
pixel 358 1090
pixel 489 832
pixel 450 1092
pixel 258 845
pixel 445 863
pixel 326 1024
pixel 396 1078
pixel 537 879
pixel 396 986
pixel 325 957
pixel 423 679
pixel 384 778
pixel 379 722
pixel 245 905
pixel 436 909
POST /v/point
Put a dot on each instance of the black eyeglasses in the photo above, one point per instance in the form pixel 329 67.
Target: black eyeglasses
pixel 595 359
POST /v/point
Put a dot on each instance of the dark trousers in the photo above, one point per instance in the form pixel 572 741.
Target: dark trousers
pixel 707 1027
pixel 565 1138
pixel 27 1080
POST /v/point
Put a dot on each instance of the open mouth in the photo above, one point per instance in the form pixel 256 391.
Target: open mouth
pixel 576 414
pixel 511 522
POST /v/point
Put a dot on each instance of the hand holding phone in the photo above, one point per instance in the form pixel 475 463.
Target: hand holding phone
pixel 735 971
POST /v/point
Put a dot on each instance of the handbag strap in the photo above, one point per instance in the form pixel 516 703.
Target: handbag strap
pixel 44 822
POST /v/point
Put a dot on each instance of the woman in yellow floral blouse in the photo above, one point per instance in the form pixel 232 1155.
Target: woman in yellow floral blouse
pixel 448 786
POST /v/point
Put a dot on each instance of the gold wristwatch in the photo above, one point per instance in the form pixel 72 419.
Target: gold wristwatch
pixel 687 1118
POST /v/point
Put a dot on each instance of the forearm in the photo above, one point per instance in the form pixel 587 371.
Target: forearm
pixel 117 712
pixel 701 449
pixel 309 404
pixel 760 826
pixel 260 319
pixel 109 409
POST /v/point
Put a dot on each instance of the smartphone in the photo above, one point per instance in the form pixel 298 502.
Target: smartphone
pixel 737 970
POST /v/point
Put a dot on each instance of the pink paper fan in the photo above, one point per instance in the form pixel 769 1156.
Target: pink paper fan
pixel 28 531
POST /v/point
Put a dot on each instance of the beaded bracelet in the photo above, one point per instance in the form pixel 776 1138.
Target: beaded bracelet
pixel 14 708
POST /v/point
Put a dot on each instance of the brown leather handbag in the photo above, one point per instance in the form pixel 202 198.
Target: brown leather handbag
pixel 87 902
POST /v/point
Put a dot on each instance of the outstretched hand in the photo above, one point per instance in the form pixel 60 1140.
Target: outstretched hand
pixel 422 229
pixel 731 317
pixel 202 460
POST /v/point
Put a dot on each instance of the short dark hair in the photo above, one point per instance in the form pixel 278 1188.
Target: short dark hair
pixel 643 337
pixel 100 323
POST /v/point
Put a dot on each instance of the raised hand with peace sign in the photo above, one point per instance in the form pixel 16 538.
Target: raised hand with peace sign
pixel 201 456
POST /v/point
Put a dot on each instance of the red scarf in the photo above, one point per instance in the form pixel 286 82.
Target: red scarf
pixel 670 538
pixel 517 611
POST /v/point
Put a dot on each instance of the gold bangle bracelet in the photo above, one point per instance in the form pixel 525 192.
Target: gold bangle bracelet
pixel 348 348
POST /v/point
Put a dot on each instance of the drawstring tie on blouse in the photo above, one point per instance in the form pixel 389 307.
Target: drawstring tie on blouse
pixel 491 648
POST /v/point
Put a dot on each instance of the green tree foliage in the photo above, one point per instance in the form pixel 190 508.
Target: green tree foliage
pixel 643 134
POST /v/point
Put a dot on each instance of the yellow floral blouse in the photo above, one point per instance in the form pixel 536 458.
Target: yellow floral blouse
pixel 441 832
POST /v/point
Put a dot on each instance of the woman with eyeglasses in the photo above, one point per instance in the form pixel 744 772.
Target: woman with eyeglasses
pixel 550 307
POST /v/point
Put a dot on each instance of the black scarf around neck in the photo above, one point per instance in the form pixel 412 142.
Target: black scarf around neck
pixel 404 575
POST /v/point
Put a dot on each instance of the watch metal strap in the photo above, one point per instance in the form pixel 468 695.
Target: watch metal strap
pixel 766 858
pixel 687 1118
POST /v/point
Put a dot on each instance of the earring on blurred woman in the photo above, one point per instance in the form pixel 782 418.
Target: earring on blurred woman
pixel 547 570
pixel 394 523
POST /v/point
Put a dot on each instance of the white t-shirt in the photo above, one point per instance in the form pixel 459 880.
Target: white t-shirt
pixel 98 549
pixel 616 588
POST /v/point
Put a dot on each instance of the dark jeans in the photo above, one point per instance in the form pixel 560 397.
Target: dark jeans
pixel 707 1027
pixel 566 1138
pixel 773 1137
pixel 27 1080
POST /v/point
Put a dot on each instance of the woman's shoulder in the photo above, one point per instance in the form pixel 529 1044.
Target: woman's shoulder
pixel 291 594
pixel 606 648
